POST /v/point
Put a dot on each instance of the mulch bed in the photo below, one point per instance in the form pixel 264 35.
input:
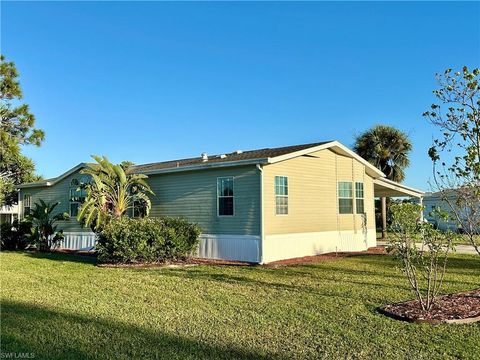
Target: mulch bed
pixel 460 308
pixel 379 250
pixel 76 252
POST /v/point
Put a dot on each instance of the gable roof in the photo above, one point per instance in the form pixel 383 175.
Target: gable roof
pixel 260 156
pixel 234 157
pixel 53 181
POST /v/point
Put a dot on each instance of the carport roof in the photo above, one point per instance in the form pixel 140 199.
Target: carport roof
pixel 388 188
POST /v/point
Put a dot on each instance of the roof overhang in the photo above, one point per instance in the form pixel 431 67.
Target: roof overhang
pixel 383 187
pixel 204 166
pixel 335 146
pixel 53 181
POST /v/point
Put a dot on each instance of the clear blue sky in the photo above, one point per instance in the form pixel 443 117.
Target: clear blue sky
pixel 156 81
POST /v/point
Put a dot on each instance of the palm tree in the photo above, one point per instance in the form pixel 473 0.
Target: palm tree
pixel 44 233
pixel 387 148
pixel 111 192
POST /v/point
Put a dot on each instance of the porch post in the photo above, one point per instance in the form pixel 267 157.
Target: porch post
pixel 384 217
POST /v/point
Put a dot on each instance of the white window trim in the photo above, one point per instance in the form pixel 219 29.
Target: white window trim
pixel 70 202
pixel 360 198
pixel 341 197
pixel 275 195
pixel 24 203
pixel 133 210
pixel 218 197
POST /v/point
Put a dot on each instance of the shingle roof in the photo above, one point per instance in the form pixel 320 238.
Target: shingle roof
pixel 229 157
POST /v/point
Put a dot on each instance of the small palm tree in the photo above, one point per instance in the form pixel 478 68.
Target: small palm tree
pixel 387 148
pixel 44 233
pixel 111 192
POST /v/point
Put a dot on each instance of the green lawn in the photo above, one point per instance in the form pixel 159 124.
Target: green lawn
pixel 60 306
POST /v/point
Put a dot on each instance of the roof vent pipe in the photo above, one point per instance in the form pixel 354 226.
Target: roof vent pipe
pixel 238 151
pixel 204 157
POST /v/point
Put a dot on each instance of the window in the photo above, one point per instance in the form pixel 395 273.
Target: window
pixel 27 203
pixel 225 200
pixel 359 198
pixel 139 208
pixel 345 197
pixel 77 197
pixel 281 195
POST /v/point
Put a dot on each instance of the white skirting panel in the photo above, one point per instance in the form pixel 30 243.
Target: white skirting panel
pixel 247 247
pixel 78 241
pixel 288 246
pixel 230 247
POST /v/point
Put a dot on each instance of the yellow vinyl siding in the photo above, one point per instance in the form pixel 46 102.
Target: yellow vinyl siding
pixel 313 201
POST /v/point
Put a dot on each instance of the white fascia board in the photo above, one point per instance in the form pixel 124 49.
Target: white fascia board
pixel 52 181
pixel 408 191
pixel 335 146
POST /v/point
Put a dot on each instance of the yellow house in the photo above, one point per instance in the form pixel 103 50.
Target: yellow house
pixel 257 206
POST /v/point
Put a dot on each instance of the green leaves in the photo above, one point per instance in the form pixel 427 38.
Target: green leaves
pixel 125 240
pixel 422 251
pixel 459 94
pixel 45 224
pixel 16 128
pixel 387 148
pixel 112 193
pixel 433 153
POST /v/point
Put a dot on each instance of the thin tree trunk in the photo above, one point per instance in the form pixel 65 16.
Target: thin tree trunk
pixel 384 217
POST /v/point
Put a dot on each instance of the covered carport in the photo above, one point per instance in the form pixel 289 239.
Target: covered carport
pixel 383 188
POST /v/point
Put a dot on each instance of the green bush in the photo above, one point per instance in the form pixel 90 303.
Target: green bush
pixel 15 236
pixel 126 240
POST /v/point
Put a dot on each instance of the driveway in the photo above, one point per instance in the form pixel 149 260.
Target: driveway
pixel 459 249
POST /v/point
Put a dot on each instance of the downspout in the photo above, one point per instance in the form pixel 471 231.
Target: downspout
pixel 262 228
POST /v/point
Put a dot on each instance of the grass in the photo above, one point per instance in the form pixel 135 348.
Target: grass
pixel 61 306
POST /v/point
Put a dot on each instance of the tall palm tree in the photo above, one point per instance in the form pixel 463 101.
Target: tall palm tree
pixel 387 148
pixel 111 192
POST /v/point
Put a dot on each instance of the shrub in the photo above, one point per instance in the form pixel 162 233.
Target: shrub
pixel 126 240
pixel 45 235
pixel 424 265
pixel 15 236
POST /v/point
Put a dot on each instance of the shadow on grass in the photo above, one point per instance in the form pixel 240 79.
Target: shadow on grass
pixel 49 334
pixel 64 257
pixel 326 286
pixel 470 262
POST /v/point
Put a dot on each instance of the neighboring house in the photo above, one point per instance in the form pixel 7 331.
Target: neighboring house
pixel 8 214
pixel 256 206
pixel 436 200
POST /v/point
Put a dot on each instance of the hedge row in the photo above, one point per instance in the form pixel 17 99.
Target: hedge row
pixel 126 240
